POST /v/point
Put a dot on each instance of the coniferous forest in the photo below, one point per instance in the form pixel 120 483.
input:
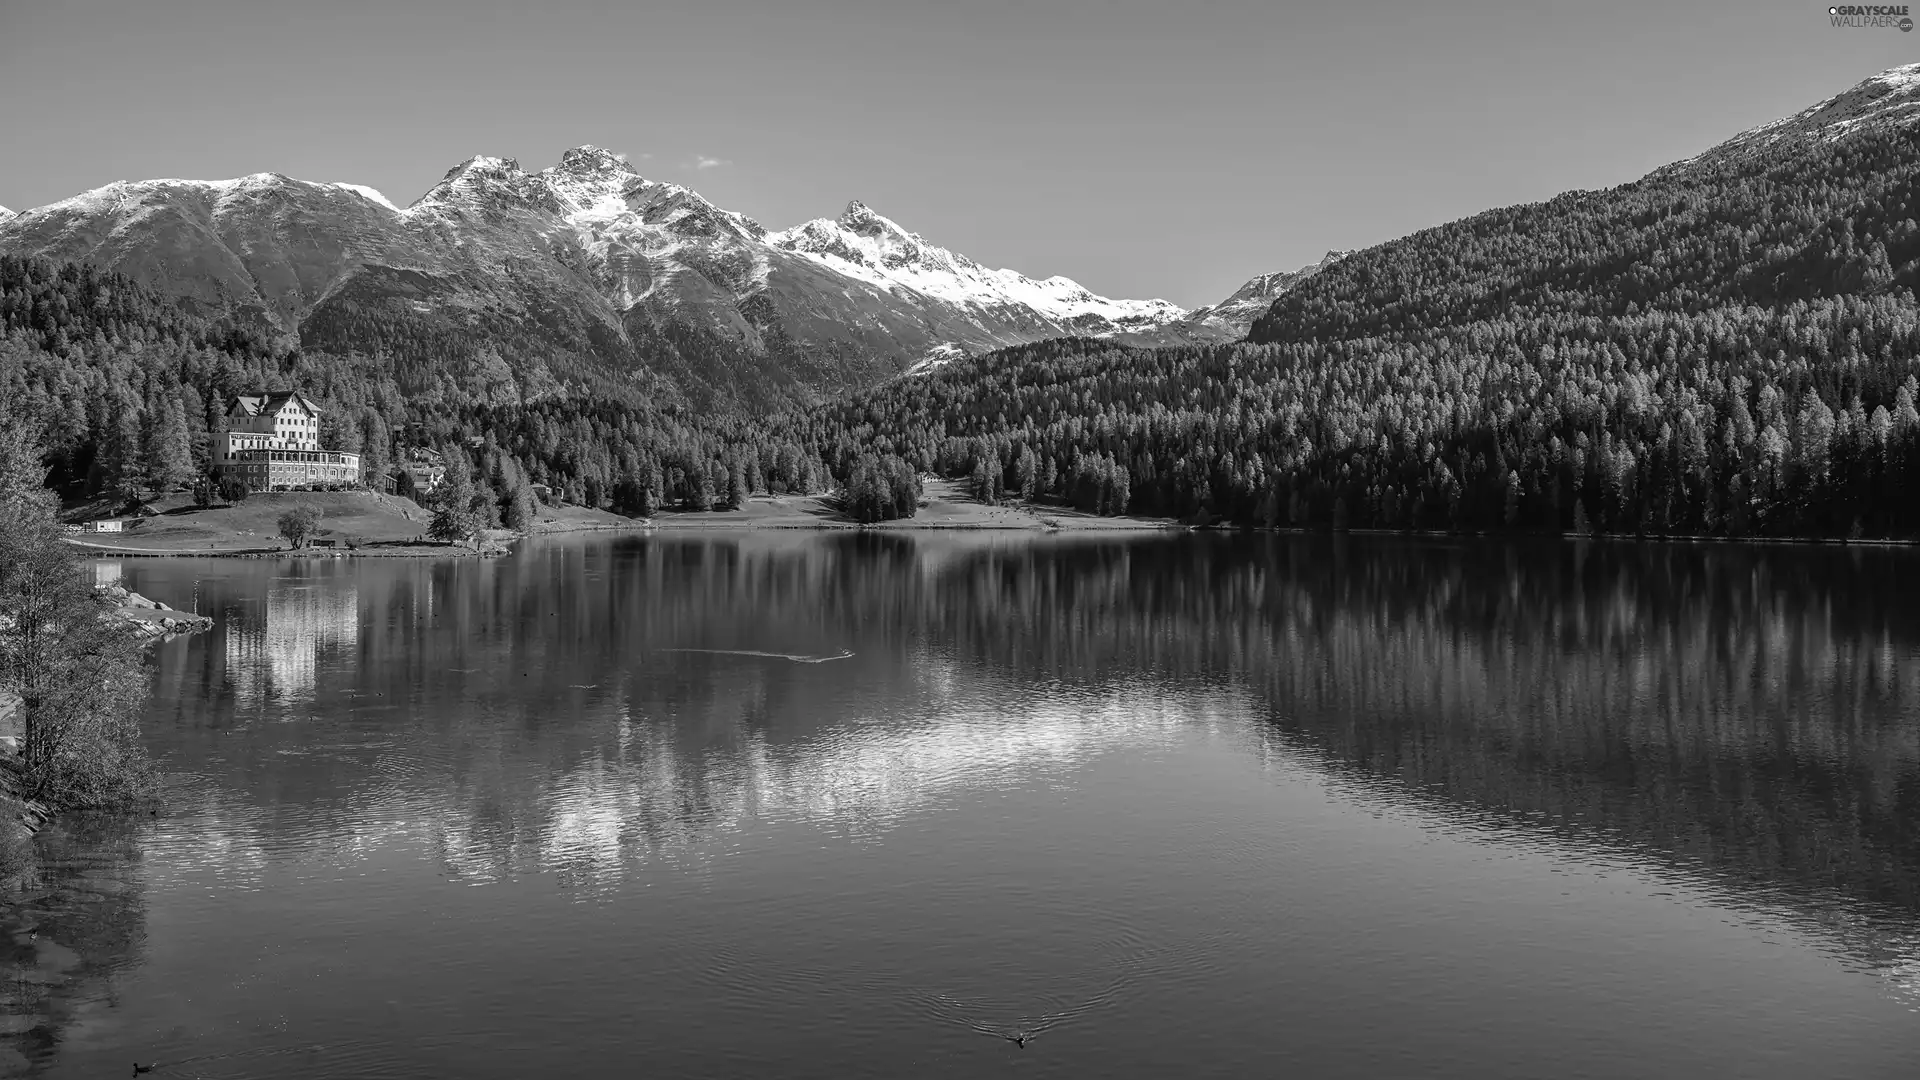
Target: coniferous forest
pixel 1729 347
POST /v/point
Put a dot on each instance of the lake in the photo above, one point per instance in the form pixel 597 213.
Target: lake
pixel 855 804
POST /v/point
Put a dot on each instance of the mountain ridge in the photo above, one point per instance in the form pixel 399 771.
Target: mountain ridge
pixel 584 272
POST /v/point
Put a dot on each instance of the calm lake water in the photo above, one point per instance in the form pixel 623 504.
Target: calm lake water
pixel 861 805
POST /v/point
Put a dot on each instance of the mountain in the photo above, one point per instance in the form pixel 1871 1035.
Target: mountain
pixel 1728 346
pixel 1887 102
pixel 1809 206
pixel 584 273
pixel 1231 318
pixel 6 213
pixel 863 245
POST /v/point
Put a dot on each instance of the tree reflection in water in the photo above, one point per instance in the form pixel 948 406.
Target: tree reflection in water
pixel 78 920
pixel 1740 715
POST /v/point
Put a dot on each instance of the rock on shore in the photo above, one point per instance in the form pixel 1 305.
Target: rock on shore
pixel 150 618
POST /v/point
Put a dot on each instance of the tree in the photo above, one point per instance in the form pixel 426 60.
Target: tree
pixel 519 512
pixel 299 523
pixel 454 520
pixel 980 482
pixel 736 487
pixel 1026 473
pixel 22 468
pixel 881 489
pixel 376 440
pixel 122 478
pixel 167 448
pixel 78 676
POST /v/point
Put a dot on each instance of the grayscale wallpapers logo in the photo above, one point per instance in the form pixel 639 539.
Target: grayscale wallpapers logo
pixel 1888 15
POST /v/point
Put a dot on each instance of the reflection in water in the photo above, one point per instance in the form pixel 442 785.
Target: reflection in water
pixel 595 713
pixel 1725 706
pixel 274 642
pixel 77 922
pixel 1748 710
pixel 630 805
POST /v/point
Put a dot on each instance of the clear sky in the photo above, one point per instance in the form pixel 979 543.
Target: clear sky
pixel 1146 149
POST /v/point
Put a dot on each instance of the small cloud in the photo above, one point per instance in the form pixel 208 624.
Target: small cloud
pixel 646 157
pixel 701 161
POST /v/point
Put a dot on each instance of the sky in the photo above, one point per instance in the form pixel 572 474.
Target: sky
pixel 1168 149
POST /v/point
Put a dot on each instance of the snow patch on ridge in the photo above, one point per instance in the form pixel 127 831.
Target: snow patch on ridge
pixel 1891 97
pixel 129 195
pixel 938 356
pixel 370 194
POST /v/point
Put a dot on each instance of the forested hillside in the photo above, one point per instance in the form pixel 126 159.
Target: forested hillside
pixel 121 387
pixel 1726 347
pixel 1730 346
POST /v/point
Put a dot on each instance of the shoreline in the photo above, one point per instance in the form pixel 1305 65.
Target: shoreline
pixel 693 522
pixel 1675 538
pixel 504 546
pixel 411 551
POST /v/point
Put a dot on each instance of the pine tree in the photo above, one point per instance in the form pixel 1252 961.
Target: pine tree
pixel 979 484
pixel 520 512
pixel 121 473
pixel 736 486
pixel 1026 473
pixel 167 449
pixel 454 520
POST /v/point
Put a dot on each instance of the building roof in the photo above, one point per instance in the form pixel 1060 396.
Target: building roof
pixel 269 401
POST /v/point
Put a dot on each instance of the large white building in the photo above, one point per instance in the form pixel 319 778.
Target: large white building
pixel 272 443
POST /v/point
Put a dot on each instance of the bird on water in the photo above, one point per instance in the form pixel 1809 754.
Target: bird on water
pixel 139 1068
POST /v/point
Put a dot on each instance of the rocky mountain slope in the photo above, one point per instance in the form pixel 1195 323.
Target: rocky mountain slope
pixel 1230 318
pixel 1889 101
pixel 581 273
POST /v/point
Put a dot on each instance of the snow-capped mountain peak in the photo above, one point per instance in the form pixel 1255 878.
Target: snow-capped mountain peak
pixel 864 244
pixel 600 259
pixel 6 213
pixel 483 183
pixel 590 160
pixel 858 214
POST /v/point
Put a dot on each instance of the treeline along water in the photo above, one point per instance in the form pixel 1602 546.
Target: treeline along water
pixel 1344 803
